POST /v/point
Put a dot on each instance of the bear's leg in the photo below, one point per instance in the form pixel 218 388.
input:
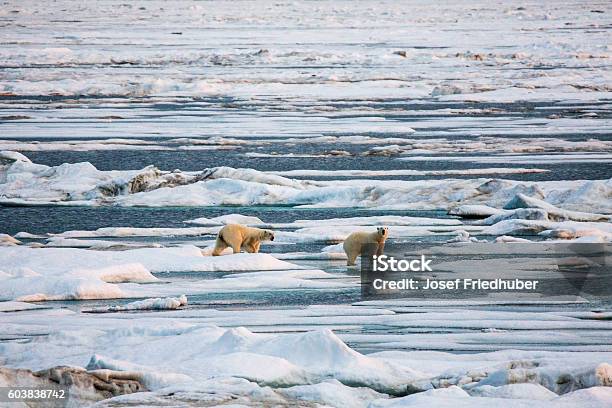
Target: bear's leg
pixel 380 249
pixel 351 253
pixel 250 248
pixel 220 245
pixel 236 249
pixel 351 257
pixel 249 245
pixel 235 244
pixel 256 247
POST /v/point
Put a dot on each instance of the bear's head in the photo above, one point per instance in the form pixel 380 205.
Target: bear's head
pixel 267 236
pixel 383 232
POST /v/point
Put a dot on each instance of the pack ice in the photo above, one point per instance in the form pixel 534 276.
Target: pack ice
pixel 26 183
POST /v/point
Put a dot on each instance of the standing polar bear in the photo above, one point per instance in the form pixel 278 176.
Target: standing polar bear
pixel 239 236
pixel 354 243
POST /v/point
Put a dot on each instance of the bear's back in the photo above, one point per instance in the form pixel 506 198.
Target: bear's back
pixel 362 237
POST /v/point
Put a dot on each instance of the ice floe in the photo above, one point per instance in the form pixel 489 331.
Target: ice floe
pixel 520 390
pixel 475 211
pixel 522 201
pixel 29 285
pixel 213 352
pixel 139 232
pixel 67 273
pixel 565 230
pixel 194 358
pixel 168 303
pixel 26 183
pixel 97 244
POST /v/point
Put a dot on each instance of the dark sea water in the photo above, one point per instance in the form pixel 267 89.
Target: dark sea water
pixel 43 219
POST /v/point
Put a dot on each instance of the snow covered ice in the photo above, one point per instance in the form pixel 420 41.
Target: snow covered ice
pixel 82 184
pixel 67 273
pixel 132 132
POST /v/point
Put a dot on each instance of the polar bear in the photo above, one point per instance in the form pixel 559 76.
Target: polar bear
pixel 353 244
pixel 239 236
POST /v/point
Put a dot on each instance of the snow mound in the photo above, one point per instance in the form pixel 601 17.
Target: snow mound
pixel 505 239
pixel 521 214
pixel 554 377
pixel 463 236
pixel 168 303
pixel 251 175
pixel 590 397
pixel 24 234
pixel 521 390
pixel 452 396
pixel 133 272
pixel 81 182
pixel 332 393
pixel 7 157
pixel 597 231
pixel 522 201
pixel 70 273
pixel 474 211
pixel 276 360
pixel 334 359
pixel 25 284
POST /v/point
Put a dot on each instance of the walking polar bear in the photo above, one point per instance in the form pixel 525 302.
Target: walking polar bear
pixel 354 243
pixel 239 236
